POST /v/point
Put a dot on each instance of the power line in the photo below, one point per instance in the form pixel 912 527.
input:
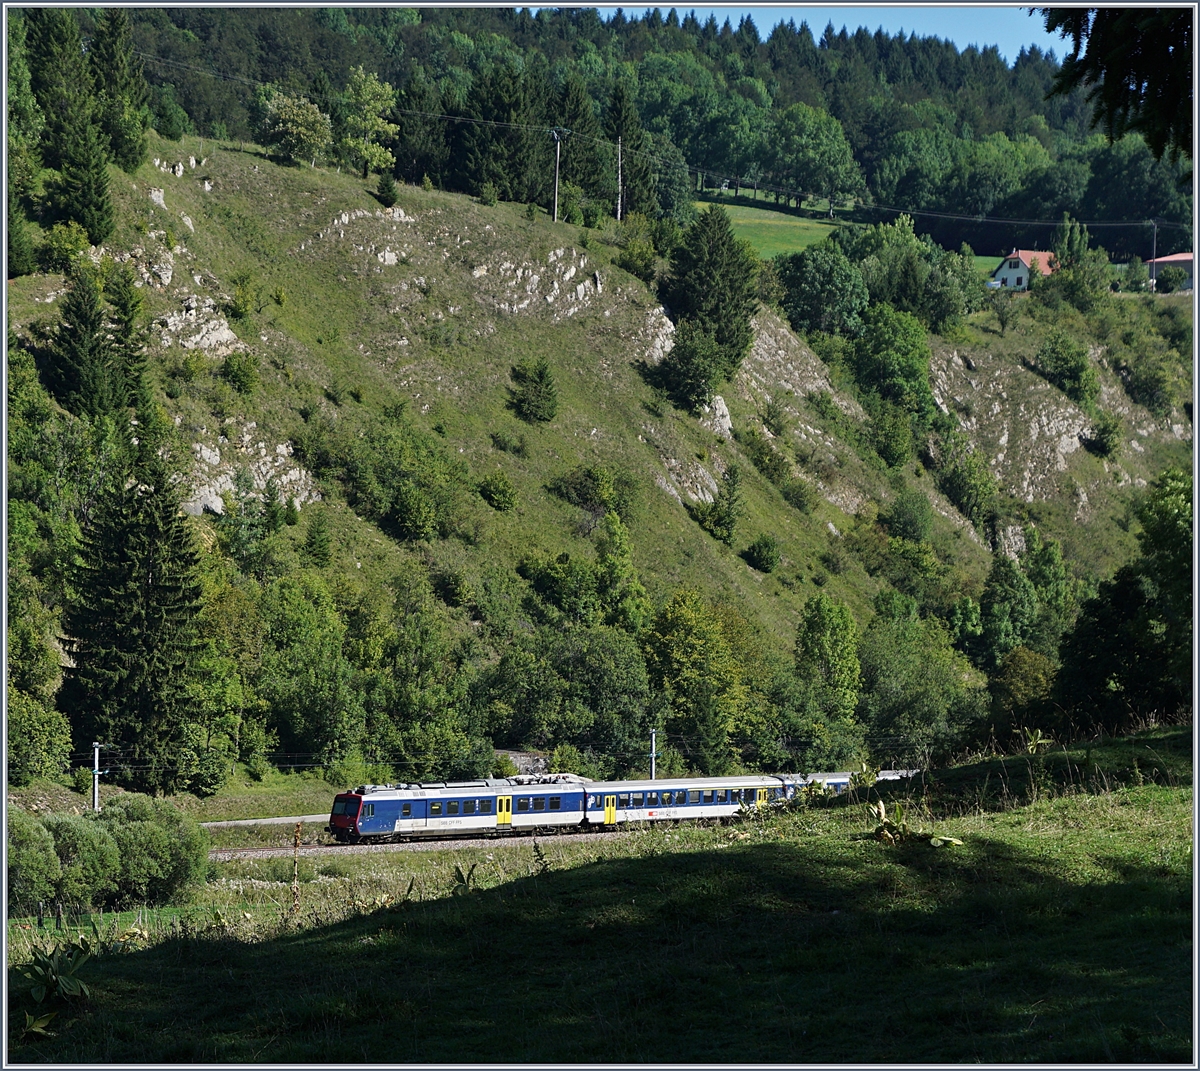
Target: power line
pixel 689 168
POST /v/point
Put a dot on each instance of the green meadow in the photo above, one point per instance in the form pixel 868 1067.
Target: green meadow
pixel 1060 930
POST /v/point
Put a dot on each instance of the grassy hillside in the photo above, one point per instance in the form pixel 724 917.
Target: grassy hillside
pixel 772 233
pixel 353 313
pixel 1058 931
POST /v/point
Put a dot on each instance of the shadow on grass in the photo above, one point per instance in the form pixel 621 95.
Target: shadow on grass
pixel 828 951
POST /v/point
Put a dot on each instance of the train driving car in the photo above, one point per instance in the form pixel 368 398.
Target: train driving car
pixel 488 805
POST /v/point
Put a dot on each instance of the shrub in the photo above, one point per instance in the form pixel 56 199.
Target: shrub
pixel 598 489
pixel 498 492
pixel 1064 362
pixel 1105 440
pixel 1170 279
pixel 39 739
pixel 88 858
pixel 720 516
pixel 163 851
pixel 488 194
pixel 763 554
pixel 773 465
pixel 910 517
pixel 33 868
pixel 963 477
pixel 692 369
pixel 510 444
pixel 240 371
pixel 63 244
pixel 799 494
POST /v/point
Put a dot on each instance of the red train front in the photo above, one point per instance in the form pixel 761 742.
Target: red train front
pixel 343 819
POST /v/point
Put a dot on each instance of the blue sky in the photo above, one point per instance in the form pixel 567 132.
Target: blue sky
pixel 1008 28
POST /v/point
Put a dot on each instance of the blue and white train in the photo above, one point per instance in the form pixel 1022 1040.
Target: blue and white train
pixel 502 805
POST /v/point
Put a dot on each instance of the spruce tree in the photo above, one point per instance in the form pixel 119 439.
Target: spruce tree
pixel 81 356
pixel 713 282
pixel 60 78
pixel 25 120
pixel 318 545
pixel 586 161
pixel 20 247
pixel 129 631
pixel 387 190
pixel 637 174
pixel 82 193
pixel 122 95
pixel 535 398
pixel 128 357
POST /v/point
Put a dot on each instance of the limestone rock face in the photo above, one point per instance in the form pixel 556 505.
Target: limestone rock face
pixel 716 418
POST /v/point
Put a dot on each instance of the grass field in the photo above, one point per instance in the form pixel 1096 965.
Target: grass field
pixel 1059 931
pixel 772 233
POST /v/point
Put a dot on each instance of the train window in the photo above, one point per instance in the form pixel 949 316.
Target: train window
pixel 485 806
pixel 406 810
pixel 708 797
pixel 723 796
pixel 435 809
pixel 693 796
pixel 468 806
pixel 539 803
pixel 666 799
pixel 637 799
pixel 369 811
pixel 339 807
pixel 523 804
pixel 623 800
pixel 452 807
pixel 556 803
pixel 651 799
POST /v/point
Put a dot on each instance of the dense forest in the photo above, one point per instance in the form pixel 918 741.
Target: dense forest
pixel 188 643
pixel 899 122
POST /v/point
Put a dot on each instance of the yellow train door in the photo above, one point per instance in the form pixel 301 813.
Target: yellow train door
pixel 504 811
pixel 761 800
pixel 610 810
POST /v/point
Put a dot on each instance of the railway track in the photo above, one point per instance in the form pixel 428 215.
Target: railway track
pixel 432 844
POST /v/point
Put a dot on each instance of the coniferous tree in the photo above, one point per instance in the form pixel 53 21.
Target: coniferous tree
pixel 25 120
pixel 130 631
pixel 318 545
pixel 60 78
pixel 535 398
pixel 586 160
pixel 128 359
pixel 81 354
pixel 500 150
pixel 637 173
pixel 20 247
pixel 122 95
pixel 82 193
pixel 387 190
pixel 713 281
pixel 421 147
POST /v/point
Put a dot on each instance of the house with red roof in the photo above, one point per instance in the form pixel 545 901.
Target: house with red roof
pixel 1015 269
pixel 1175 260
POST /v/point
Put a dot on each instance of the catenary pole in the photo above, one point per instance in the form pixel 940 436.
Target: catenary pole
pixel 95 776
pixel 557 152
pixel 618 178
pixel 653 752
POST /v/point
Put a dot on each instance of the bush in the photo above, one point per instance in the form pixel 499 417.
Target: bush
pixel 773 465
pixel 720 516
pixel 910 517
pixel 1064 362
pixel 598 490
pixel 39 739
pixel 1170 279
pixel 1105 440
pixel 489 195
pixel 763 554
pixel 498 492
pixel 240 371
pixel 691 371
pixel 33 868
pixel 163 851
pixel 88 858
pixel 800 494
pixel 510 444
pixel 63 244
